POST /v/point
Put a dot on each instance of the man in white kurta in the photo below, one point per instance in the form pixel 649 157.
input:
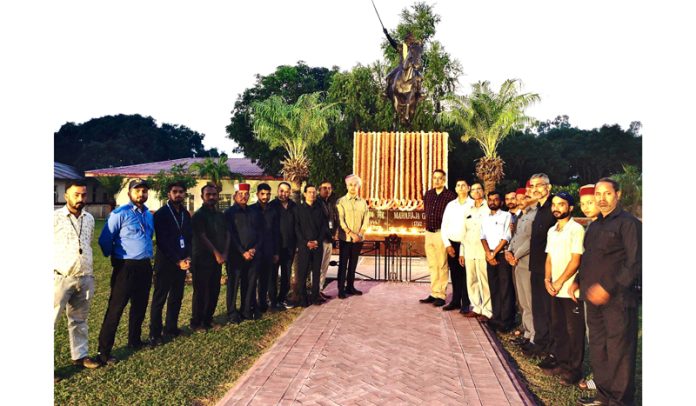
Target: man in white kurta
pixel 471 253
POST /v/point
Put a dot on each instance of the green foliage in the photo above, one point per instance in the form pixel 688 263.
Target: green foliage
pixel 420 20
pixel 292 127
pixel 119 140
pixel 177 173
pixel 112 185
pixel 194 369
pixel 631 181
pixel 288 82
pixel 572 189
pixel 214 170
pixel 487 117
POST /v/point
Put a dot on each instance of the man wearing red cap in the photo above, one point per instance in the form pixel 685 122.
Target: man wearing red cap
pixel 588 204
pixel 245 225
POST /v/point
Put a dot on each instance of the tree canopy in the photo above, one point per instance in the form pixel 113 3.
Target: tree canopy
pixel 120 140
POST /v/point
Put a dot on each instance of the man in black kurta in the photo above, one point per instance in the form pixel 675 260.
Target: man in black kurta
pixel 285 208
pixel 173 234
pixel 268 257
pixel 210 248
pixel 608 280
pixel 312 228
pixel 245 225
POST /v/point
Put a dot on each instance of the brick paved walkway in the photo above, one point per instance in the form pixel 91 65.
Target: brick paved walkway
pixel 377 349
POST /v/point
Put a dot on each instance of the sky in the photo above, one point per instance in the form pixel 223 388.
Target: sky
pixel 186 63
pixel 599 62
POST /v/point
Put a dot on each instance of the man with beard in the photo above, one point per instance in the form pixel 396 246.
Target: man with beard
pixel 210 251
pixel 173 234
pixel 495 234
pixel 127 239
pixel 312 228
pixel 328 202
pixel 269 256
pixel 608 278
pixel 435 201
pixel 73 278
pixel 452 236
pixel 286 215
pixel 540 186
pixel 354 218
pixel 564 250
pixel 245 225
pixel 517 255
pixel 472 255
pixel 511 207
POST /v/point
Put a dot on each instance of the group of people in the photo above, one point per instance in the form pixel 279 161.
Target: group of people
pixel 503 252
pixel 524 250
pixel 257 243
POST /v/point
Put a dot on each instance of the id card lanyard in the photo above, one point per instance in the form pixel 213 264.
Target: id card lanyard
pixel 182 244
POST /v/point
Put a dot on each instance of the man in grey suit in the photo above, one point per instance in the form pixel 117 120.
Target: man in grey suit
pixel 517 255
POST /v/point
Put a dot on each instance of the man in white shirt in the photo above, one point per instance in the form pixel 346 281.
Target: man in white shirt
pixel 495 235
pixel 564 248
pixel 472 255
pixel 73 280
pixel 452 236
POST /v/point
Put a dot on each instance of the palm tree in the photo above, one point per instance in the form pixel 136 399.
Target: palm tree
pixel 216 171
pixel 112 185
pixel 488 118
pixel 294 127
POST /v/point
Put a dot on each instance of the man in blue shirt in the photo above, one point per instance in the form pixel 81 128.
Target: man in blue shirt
pixel 127 239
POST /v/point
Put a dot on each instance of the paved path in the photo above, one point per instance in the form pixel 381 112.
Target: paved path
pixel 381 348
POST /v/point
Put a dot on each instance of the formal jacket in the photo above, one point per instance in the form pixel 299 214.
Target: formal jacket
pixel 271 229
pixel 519 245
pixel 286 220
pixel 310 224
pixel 246 228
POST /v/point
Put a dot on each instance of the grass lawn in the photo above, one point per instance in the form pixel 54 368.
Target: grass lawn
pixel 194 369
pixel 548 389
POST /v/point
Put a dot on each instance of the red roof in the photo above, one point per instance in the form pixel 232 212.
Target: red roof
pixel 243 166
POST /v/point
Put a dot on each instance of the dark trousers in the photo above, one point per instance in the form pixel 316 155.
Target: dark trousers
pixel 265 267
pixel 348 253
pixel 613 340
pixel 502 291
pixel 308 262
pixel 287 255
pixel 206 275
pixel 568 331
pixel 130 280
pixel 541 312
pixel 460 296
pixel 169 287
pixel 242 275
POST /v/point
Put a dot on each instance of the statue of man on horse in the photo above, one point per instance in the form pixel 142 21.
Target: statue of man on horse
pixel 404 81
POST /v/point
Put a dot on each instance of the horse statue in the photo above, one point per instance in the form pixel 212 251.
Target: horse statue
pixel 404 81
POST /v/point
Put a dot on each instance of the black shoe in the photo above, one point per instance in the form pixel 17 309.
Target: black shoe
pixel 287 304
pixel 570 379
pixel 519 341
pixel 104 360
pixel 318 301
pixel 87 363
pixel 278 307
pixel 342 295
pixel 136 345
pixel 552 371
pixel 196 328
pixel 354 291
pixel 428 299
pixel 325 296
pixel 548 363
pixel 155 341
pixel 450 306
pixel 234 318
pixel 438 302
pixel 258 314
pixel 173 333
pixel 590 402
